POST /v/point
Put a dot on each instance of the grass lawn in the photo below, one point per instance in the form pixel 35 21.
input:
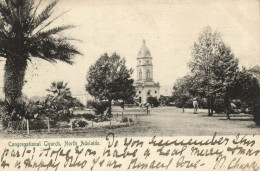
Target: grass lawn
pixel 163 121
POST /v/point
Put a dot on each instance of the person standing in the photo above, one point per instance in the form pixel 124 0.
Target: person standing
pixel 195 105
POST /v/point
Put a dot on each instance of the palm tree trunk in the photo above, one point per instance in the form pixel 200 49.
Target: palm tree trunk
pixel 14 79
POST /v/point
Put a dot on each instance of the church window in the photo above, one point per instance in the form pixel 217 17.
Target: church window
pixel 148 92
pixel 147 62
pixel 148 74
pixel 139 92
pixel 155 92
pixel 140 75
pixel 139 61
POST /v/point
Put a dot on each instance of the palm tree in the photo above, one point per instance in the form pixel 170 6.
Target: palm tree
pixel 59 88
pixel 25 34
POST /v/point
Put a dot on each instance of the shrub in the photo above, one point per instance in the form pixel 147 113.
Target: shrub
pixel 38 124
pixel 153 101
pixel 125 119
pixel 85 116
pixel 99 106
pixel 219 106
pixel 79 123
pixel 256 112
pixel 64 116
pixel 88 116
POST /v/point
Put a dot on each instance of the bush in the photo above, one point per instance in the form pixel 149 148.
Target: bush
pixel 125 119
pixel 256 112
pixel 38 124
pixel 88 116
pixel 79 124
pixel 187 104
pixel 153 101
pixel 99 106
pixel 219 106
pixel 85 116
pixel 64 116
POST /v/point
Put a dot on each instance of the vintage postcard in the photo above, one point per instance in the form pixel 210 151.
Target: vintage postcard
pixel 130 85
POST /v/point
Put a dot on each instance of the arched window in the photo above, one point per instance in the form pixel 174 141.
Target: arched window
pixel 148 74
pixel 140 75
pixel 148 92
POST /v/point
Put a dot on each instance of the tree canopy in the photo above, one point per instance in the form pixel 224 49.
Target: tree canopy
pixel 109 79
pixel 213 66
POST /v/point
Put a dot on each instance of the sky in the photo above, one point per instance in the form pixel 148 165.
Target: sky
pixel 170 28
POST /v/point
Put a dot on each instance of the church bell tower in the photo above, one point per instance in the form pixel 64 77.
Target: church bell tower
pixel 144 84
pixel 144 65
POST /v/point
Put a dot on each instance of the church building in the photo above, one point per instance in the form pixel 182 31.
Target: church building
pixel 145 85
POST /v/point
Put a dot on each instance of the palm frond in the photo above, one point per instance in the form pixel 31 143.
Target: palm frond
pixel 6 13
pixel 55 49
pixel 36 8
pixel 43 26
pixel 54 31
pixel 45 14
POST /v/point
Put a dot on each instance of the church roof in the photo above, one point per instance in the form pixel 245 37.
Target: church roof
pixel 144 51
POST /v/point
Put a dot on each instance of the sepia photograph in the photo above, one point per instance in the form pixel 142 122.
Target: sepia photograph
pixel 107 69
pixel 135 68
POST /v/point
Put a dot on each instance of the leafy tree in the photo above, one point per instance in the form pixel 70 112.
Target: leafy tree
pixel 246 88
pixel 225 67
pixel 109 79
pixel 183 90
pixel 25 33
pixel 126 90
pixel 256 109
pixel 214 67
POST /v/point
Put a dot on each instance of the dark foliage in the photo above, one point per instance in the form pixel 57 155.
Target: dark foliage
pixel 99 106
pixel 153 101
pixel 79 124
pixel 125 119
pixel 109 79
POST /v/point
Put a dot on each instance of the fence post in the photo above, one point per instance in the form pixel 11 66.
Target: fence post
pixel 92 122
pixel 28 127
pixel 71 123
pixel 122 114
pixel 133 118
pixel 48 124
